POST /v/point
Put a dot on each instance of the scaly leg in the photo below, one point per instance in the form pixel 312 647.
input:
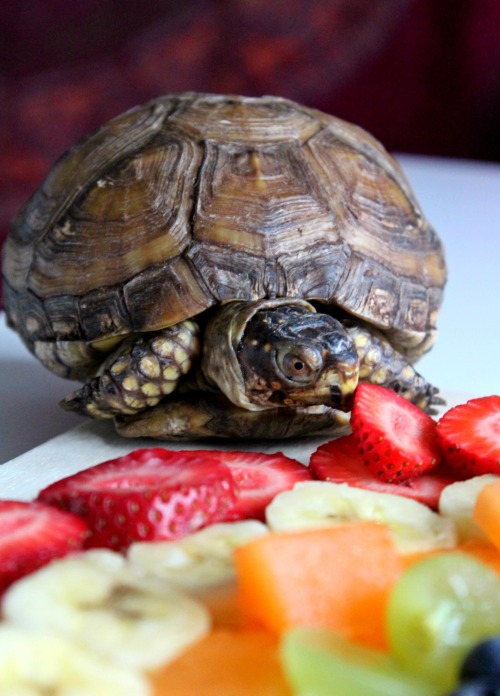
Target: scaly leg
pixel 381 363
pixel 139 373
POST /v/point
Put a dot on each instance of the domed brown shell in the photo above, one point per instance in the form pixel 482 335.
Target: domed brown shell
pixel 195 199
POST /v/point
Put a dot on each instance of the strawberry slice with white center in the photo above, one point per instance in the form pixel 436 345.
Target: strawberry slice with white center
pixel 396 439
pixel 470 437
pixel 259 478
pixel 339 461
pixel 32 534
pixel 147 494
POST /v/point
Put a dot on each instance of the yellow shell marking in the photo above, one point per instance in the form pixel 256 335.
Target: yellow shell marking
pixel 106 344
pixel 255 163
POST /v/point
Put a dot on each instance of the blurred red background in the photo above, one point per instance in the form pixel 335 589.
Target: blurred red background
pixel 421 75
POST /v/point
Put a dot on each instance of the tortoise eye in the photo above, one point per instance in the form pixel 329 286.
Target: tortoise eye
pixel 294 365
pixel 298 367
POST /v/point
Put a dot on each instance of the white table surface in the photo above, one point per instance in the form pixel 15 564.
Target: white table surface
pixel 462 201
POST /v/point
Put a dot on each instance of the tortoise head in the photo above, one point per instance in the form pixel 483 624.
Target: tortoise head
pixel 292 356
pixel 284 353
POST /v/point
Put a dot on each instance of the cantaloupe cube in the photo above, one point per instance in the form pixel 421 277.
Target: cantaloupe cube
pixel 486 512
pixel 336 578
pixel 226 662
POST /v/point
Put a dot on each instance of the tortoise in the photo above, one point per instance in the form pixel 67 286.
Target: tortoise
pixel 225 266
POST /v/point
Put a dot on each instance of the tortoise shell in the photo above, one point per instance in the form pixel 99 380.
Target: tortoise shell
pixel 192 200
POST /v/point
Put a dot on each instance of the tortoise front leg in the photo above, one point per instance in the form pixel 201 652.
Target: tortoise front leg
pixel 381 363
pixel 139 373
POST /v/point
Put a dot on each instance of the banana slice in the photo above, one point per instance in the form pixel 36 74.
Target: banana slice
pixel 99 601
pixel 36 664
pixel 320 503
pixel 457 502
pixel 202 559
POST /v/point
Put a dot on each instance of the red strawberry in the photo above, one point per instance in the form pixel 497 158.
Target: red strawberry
pixel 147 494
pixel 470 437
pixel 339 461
pixel 259 477
pixel 32 534
pixel 396 439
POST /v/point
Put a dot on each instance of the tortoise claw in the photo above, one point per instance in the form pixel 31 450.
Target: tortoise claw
pixel 430 400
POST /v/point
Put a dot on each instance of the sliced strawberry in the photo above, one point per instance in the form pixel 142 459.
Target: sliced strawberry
pixel 470 437
pixel 259 477
pixel 396 439
pixel 339 461
pixel 32 534
pixel 148 494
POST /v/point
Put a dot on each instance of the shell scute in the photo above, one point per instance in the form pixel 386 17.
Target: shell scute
pixel 263 200
pixel 72 174
pixel 141 208
pixel 191 200
pixel 103 312
pixel 244 119
pixel 238 275
pixel 316 272
pixel 63 312
pixel 164 295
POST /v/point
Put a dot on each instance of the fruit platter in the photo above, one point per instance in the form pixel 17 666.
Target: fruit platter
pixel 358 558
pixel 139 572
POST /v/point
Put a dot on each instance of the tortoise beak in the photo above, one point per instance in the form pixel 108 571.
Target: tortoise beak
pixel 344 383
pixel 342 402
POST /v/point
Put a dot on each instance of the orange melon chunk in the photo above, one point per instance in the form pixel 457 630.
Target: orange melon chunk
pixel 335 578
pixel 225 663
pixel 487 512
pixel 488 553
pixel 223 605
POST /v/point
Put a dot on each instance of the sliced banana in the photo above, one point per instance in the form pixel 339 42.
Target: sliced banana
pixel 38 664
pixel 99 601
pixel 457 502
pixel 202 559
pixel 320 503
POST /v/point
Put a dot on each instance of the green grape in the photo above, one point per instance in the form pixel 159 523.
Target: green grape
pixel 438 610
pixel 321 663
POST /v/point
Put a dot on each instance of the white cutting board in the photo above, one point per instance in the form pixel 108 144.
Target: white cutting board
pixel 93 442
